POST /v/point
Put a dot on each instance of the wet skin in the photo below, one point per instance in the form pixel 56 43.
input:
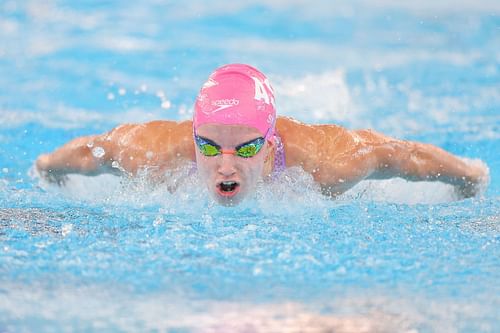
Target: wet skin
pixel 227 168
pixel 336 158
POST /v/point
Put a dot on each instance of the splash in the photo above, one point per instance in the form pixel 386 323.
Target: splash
pixel 293 192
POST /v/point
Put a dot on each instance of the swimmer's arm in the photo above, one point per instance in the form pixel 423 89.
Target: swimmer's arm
pixel 338 158
pixel 89 155
pixel 416 161
pixel 156 146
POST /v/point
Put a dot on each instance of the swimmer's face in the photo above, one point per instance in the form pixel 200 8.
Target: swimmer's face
pixel 229 178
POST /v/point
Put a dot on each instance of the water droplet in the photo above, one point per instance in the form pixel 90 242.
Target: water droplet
pixel 115 165
pixel 144 88
pixel 66 229
pixel 98 152
pixel 207 218
pixel 5 170
pixel 111 96
pixel 90 144
pixel 122 91
pixel 158 220
pixel 166 104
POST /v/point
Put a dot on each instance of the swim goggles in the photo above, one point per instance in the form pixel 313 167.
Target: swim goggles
pixel 246 150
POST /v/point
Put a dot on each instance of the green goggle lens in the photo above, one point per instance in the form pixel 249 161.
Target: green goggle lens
pixel 245 150
pixel 209 150
pixel 248 150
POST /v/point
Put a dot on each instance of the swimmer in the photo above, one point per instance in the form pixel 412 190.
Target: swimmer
pixel 236 139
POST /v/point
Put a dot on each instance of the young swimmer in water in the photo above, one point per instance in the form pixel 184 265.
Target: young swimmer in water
pixel 236 139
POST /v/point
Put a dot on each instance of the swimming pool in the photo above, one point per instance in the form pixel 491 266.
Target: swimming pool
pixel 104 254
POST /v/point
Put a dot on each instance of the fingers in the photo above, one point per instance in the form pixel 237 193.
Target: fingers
pixel 52 177
pixel 467 190
pixel 42 162
pixel 476 181
pixel 49 175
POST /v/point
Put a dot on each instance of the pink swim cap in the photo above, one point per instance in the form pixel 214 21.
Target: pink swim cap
pixel 236 94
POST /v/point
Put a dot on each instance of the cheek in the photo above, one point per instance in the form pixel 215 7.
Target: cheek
pixel 204 165
pixel 255 167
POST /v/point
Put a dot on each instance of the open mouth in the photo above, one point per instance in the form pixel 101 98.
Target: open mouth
pixel 228 188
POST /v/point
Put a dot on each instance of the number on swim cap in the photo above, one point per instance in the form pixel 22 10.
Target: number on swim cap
pixel 261 92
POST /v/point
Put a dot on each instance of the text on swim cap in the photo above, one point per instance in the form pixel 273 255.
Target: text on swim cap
pixel 261 93
pixel 220 102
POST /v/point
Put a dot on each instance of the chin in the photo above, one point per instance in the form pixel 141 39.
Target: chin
pixel 228 201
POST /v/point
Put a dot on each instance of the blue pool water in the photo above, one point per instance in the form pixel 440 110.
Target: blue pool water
pixel 104 254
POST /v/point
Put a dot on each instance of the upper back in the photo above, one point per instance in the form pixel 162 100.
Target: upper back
pixel 306 145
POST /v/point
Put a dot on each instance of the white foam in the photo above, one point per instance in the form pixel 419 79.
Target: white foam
pixel 398 190
pixel 306 97
pixel 293 192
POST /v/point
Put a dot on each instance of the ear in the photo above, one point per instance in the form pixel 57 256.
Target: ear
pixel 271 143
pixel 270 149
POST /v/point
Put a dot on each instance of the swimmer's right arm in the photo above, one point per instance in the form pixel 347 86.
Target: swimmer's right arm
pixel 157 145
pixel 89 155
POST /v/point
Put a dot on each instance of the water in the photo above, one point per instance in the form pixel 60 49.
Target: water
pixel 104 254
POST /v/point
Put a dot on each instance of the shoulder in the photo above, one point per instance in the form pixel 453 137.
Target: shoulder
pixel 299 133
pixel 306 143
pixel 160 143
pixel 155 125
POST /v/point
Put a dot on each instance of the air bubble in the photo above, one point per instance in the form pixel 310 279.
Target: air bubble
pixel 115 165
pixel 111 96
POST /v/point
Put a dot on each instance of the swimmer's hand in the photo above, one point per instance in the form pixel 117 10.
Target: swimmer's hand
pixel 476 180
pixel 52 176
pixel 75 157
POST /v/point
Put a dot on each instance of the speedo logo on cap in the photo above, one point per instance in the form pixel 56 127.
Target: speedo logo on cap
pixel 230 102
pixel 222 104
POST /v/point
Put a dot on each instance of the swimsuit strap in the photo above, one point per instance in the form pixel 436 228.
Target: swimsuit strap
pixel 279 155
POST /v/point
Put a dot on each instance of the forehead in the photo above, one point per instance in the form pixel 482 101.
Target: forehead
pixel 228 134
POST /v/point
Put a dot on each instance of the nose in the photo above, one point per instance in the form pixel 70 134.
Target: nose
pixel 227 166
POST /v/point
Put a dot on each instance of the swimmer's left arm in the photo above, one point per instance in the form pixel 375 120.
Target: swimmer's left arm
pixel 338 158
pixel 416 161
